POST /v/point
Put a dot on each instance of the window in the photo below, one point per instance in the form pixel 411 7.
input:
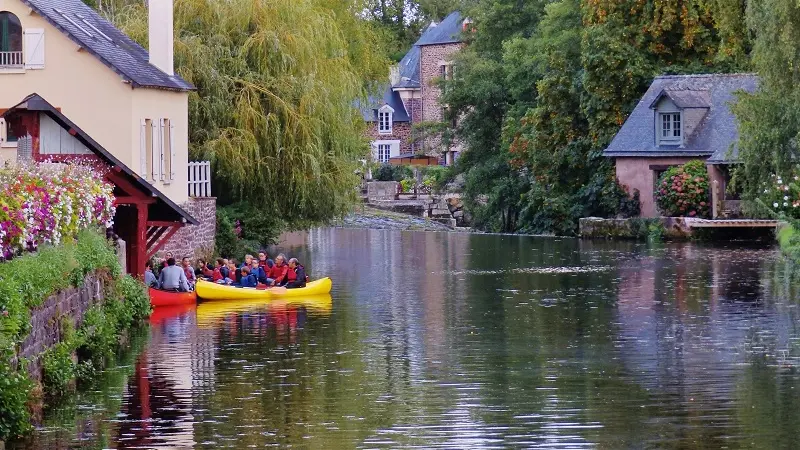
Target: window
pixel 384 153
pixel 670 128
pixel 10 40
pixel 385 120
pixel 7 136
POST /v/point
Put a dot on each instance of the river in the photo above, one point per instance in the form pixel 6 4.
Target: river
pixel 455 340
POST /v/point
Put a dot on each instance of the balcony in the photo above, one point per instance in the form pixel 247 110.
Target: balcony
pixel 11 60
pixel 200 179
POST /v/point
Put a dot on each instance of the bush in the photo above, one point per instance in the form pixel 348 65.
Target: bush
pixel 15 389
pixel 684 191
pixel 243 228
pixel 388 172
pixel 407 185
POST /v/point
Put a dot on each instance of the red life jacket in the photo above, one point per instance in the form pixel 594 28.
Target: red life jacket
pixel 217 275
pixel 291 275
pixel 278 273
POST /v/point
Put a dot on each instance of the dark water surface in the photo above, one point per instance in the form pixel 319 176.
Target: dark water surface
pixel 469 341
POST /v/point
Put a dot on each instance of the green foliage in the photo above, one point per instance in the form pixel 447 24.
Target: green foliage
pixel 684 191
pixel 15 389
pixel 407 185
pixel 58 369
pixel 388 172
pixel 226 241
pixel 768 119
pixel 543 87
pixel 243 228
pixel 276 81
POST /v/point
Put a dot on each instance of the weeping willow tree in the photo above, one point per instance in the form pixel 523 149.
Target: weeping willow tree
pixel 276 84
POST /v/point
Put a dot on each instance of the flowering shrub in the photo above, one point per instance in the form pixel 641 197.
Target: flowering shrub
pixel 782 196
pixel 47 203
pixel 684 191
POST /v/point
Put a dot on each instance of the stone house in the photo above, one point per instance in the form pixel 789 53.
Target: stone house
pixel 681 118
pixel 412 96
pixel 128 100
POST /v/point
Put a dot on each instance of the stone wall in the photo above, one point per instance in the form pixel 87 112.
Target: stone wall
pixel 194 240
pixel 400 131
pixel 47 321
pixel 634 228
pixel 432 57
pixel 382 190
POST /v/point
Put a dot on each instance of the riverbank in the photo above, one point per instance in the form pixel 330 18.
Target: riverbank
pixel 366 217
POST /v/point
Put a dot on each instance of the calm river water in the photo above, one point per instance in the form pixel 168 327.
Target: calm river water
pixel 468 341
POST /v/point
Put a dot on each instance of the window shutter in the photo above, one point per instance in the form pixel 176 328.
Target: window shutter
pixel 156 156
pixel 3 135
pixel 161 152
pixel 394 150
pixel 143 150
pixel 34 48
pixel 172 157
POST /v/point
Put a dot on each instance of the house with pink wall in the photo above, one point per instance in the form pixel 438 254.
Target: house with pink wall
pixel 681 118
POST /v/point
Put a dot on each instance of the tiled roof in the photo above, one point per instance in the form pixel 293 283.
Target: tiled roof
pixel 446 32
pixel 112 47
pixel 715 136
pixel 391 98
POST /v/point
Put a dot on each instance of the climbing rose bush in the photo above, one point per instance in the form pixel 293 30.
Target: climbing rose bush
pixel 45 203
pixel 684 191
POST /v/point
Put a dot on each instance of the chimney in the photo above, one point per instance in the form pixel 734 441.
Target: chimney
pixel 394 74
pixel 160 35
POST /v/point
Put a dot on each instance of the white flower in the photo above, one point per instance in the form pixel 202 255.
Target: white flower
pixel 775 205
pixel 786 188
pixel 786 197
pixel 785 204
pixel 766 191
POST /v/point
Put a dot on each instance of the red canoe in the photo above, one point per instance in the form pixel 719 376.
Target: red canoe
pixel 164 298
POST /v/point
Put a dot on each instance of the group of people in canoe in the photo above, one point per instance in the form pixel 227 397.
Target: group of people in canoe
pixel 260 272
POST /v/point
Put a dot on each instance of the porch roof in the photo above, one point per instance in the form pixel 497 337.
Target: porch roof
pixel 163 209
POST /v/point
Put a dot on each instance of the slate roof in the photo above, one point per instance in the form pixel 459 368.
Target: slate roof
pixel 88 29
pixel 391 98
pixel 448 31
pixel 162 209
pixel 715 137
pixel 409 69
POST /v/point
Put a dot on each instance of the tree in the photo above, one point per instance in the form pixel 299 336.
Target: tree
pixel 769 119
pixel 276 82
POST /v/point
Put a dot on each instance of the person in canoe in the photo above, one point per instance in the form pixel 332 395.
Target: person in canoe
pixel 248 279
pixel 277 274
pixel 188 271
pixel 216 275
pixel 224 269
pixel 150 279
pixel 296 276
pixel 167 256
pixel 255 269
pixel 264 261
pixel 248 261
pixel 173 278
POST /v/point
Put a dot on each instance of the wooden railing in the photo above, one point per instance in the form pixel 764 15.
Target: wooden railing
pixel 200 179
pixel 11 60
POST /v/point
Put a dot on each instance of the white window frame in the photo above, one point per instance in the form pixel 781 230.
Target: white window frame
pixel 674 133
pixel 4 142
pixel 394 149
pixel 385 119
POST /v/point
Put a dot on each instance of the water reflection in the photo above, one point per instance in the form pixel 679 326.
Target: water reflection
pixel 469 341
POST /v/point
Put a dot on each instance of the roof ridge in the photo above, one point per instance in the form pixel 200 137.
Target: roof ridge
pixel 707 75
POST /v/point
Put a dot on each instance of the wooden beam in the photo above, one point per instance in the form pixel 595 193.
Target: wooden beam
pixel 163 223
pixel 133 200
pixel 125 185
pixel 161 242
pixel 152 239
pixel 139 244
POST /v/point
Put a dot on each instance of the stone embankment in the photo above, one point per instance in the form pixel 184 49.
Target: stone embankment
pixel 377 219
pixel 446 209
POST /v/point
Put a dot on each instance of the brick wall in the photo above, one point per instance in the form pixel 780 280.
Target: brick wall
pixel 400 131
pixel 47 320
pixel 191 238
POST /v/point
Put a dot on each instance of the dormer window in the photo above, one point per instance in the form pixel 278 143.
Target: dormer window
pixel 385 119
pixel 669 128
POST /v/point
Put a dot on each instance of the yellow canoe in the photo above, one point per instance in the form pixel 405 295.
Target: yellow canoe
pixel 208 313
pixel 207 290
